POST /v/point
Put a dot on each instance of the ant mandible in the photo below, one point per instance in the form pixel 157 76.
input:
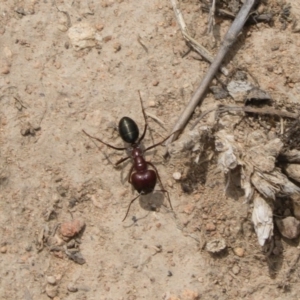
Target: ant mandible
pixel 140 177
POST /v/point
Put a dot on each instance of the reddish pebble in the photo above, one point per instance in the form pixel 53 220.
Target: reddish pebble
pixel 188 209
pixel 4 70
pixel 70 229
pixel 3 249
pixel 210 227
pixel 58 254
pixel 107 38
pixel 239 251
pixel 190 295
pixel 99 26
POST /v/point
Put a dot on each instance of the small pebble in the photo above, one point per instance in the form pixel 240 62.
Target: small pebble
pixel 99 26
pixel 210 227
pixel 70 229
pixel 71 244
pixel 107 38
pixel 289 227
pixel 28 248
pixel 170 183
pixel 278 71
pixel 72 288
pixel 3 249
pixel 51 290
pixel 197 197
pixel 155 83
pixel 189 208
pixel 236 270
pixel 5 70
pixel 117 47
pixel 204 216
pixel 57 65
pixel 58 179
pixel 76 257
pixel 152 103
pixel 51 280
pixel 62 190
pixel 190 295
pixel 239 251
pixel 62 27
pixel 216 245
pixel 58 277
pixel 58 254
pixel 177 175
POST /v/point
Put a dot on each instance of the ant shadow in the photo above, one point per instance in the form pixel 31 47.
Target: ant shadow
pixel 152 201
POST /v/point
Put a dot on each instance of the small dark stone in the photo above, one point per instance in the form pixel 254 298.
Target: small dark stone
pixel 20 11
pixel 62 191
pixel 219 92
pixel 76 257
pixel 72 202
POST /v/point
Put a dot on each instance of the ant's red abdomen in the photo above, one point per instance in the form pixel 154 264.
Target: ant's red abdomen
pixel 144 182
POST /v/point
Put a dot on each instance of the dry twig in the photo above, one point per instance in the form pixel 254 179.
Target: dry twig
pixel 139 39
pixel 261 111
pixel 247 109
pixel 211 19
pixel 196 46
pixel 229 39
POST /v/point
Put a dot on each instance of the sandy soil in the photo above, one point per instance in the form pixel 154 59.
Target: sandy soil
pixel 51 173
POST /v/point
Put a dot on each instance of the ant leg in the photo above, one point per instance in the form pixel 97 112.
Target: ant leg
pixel 163 189
pixel 160 143
pixel 129 174
pixel 108 145
pixel 145 118
pixel 121 160
pixel 129 206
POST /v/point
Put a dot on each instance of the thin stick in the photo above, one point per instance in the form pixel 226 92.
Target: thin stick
pixel 160 122
pixel 211 19
pixel 261 111
pixel 196 46
pixel 202 116
pixel 229 39
pixel 139 39
pixel 20 102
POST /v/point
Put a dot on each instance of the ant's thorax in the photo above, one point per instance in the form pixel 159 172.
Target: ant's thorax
pixel 140 164
pixel 136 151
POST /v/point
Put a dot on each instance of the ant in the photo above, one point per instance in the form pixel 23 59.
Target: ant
pixel 140 177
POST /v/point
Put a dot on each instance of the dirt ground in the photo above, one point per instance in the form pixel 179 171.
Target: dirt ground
pixel 51 173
